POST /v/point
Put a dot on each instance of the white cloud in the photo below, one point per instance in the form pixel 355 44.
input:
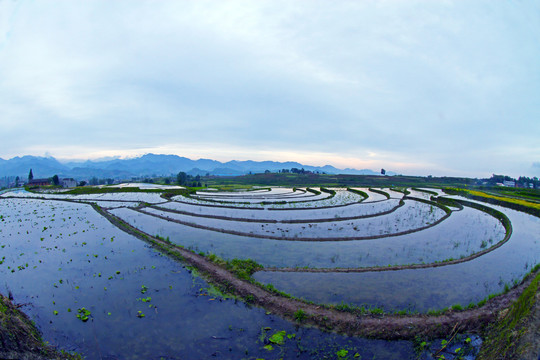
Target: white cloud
pixel 421 86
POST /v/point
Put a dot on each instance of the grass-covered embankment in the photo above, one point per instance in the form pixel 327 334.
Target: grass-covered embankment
pixel 513 334
pixel 512 203
pixel 19 337
pixel 359 192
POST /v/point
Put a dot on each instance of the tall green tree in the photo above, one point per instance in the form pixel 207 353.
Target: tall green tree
pixel 55 180
pixel 30 175
pixel 181 178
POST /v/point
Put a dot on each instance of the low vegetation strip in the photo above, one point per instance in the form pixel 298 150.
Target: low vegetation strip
pixel 316 192
pixel 520 193
pixel 516 204
pixel 359 192
pixel 329 191
pixel 389 326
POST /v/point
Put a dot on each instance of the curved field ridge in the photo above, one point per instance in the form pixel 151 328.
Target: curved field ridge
pixel 459 236
pixel 268 198
pixel 497 214
pixel 329 198
pixel 380 192
pixel 390 327
pixel 231 230
pixel 286 216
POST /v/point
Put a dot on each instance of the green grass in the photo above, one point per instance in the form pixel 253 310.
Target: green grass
pixel 531 194
pixel 503 337
pixel 242 268
pixel 513 203
pixel 328 191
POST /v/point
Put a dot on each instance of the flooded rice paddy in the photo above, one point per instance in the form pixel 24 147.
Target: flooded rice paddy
pixel 60 258
pixel 425 289
pixel 69 264
pixel 458 236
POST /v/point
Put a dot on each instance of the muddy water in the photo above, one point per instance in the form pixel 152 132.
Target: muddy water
pixel 424 289
pixel 60 257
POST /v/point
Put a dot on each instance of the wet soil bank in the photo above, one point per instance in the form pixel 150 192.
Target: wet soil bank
pixel 383 326
pixel 19 337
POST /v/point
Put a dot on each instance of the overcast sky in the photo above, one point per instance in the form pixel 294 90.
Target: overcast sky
pixel 417 87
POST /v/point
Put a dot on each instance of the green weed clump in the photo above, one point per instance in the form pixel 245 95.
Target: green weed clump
pixel 278 338
pixel 83 314
pixel 242 268
pixel 299 315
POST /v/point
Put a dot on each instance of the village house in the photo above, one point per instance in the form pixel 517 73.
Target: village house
pixel 509 183
pixel 68 182
pixel 39 182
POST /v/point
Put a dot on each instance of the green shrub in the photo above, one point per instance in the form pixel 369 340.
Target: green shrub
pixel 299 315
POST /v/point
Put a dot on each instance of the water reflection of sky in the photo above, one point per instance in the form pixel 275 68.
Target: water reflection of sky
pixel 425 289
pixel 67 261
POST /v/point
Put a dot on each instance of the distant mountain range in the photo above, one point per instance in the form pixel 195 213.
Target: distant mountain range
pixel 152 165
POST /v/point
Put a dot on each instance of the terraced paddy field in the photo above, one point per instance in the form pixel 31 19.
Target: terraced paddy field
pixel 128 275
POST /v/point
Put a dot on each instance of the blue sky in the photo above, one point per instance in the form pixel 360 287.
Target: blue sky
pixel 417 87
